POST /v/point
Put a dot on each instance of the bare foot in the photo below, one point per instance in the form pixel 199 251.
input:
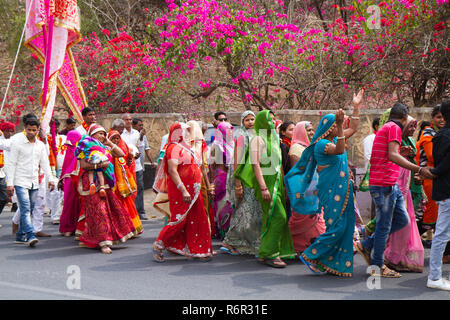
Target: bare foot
pixel 102 193
pixel 92 189
pixel 106 250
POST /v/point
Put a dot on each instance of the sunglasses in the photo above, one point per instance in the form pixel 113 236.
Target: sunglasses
pixel 222 119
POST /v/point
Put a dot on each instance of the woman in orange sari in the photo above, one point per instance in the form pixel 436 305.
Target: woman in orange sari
pixel 126 187
pixel 425 159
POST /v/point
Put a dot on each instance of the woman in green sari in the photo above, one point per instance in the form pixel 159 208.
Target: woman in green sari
pixel 262 172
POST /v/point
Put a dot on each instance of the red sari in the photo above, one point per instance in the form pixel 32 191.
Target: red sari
pixel 188 232
pixel 106 221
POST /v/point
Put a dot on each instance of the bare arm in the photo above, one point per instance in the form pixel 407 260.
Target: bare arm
pixel 173 173
pixel 115 150
pixel 398 159
pixel 339 148
pixel 354 121
pixel 256 159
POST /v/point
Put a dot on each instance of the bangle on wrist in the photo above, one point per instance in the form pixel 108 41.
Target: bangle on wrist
pixel 356 118
pixel 264 189
pixel 420 169
pixel 181 184
pixel 341 138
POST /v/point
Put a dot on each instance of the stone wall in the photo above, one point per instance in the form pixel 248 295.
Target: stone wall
pixel 158 124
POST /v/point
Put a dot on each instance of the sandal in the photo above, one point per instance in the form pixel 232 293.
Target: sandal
pixel 386 273
pixel 205 259
pixel 158 255
pixel 365 254
pixel 315 270
pixel 271 263
pixel 229 251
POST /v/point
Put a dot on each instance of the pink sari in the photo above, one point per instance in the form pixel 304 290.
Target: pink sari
pixel 72 207
pixel 404 249
pixel 304 228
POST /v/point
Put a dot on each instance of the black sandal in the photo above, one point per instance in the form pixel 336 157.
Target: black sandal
pixel 271 263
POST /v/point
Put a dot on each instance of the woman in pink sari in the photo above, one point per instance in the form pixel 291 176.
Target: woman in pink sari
pixel 221 160
pixel 404 250
pixel 304 228
pixel 72 206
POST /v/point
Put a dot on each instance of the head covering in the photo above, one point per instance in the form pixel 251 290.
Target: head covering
pixel 224 142
pixel 70 160
pixel 264 128
pixel 302 174
pixel 113 133
pixel 177 133
pixel 94 128
pixel 242 131
pixel 384 117
pixel 196 138
pixel 7 126
pixel 410 122
pixel 277 124
pixel 300 136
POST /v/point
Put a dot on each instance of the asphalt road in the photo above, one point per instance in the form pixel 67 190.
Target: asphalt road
pixel 57 269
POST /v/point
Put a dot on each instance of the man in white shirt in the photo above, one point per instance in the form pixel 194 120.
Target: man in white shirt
pixel 27 155
pixel 144 149
pixel 89 118
pixel 368 142
pixel 132 139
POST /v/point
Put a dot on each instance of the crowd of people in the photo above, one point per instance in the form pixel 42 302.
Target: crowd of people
pixel 271 189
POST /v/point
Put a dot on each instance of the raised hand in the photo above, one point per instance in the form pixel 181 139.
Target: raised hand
pixel 357 99
pixel 339 117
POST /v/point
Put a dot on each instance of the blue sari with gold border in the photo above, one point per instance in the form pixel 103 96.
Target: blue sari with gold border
pixel 332 250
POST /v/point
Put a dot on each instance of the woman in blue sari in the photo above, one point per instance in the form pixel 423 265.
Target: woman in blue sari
pixel 332 251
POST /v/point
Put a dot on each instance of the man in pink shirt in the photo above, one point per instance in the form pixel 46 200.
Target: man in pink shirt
pixel 385 163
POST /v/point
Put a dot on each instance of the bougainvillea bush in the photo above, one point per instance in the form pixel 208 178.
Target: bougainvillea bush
pixel 232 54
pixel 307 54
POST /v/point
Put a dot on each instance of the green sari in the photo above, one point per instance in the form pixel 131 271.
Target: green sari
pixel 276 239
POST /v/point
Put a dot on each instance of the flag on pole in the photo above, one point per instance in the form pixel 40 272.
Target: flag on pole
pixel 51 30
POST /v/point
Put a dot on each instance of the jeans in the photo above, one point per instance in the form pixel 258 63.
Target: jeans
pixel 391 216
pixel 25 200
pixel 139 201
pixel 440 239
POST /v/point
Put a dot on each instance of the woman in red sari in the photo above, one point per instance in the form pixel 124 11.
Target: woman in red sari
pixel 188 232
pixel 106 221
pixel 126 187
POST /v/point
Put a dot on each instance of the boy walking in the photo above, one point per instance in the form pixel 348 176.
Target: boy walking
pixel 441 194
pixel 391 214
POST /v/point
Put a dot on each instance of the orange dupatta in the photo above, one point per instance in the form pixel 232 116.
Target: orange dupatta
pixel 125 180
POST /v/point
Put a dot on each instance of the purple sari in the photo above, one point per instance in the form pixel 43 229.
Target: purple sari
pixel 72 207
pixel 223 154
